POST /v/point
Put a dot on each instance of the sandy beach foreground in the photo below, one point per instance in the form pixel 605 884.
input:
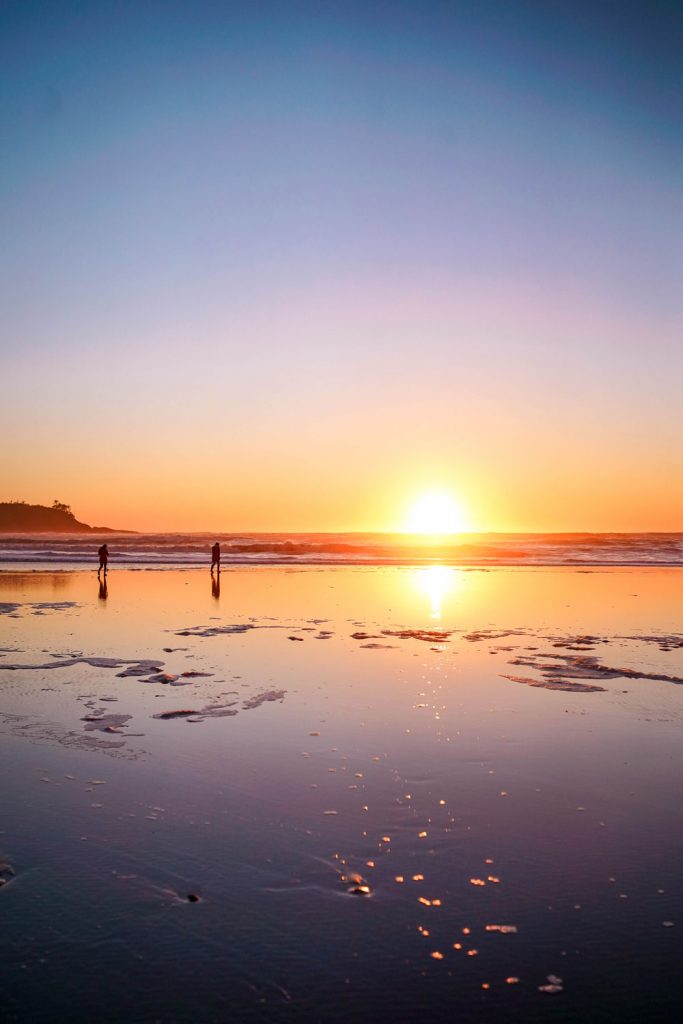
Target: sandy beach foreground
pixel 342 794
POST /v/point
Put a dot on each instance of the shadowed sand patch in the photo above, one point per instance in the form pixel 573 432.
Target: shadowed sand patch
pixel 7 872
pixel 167 715
pixel 39 730
pixel 670 642
pixel 139 669
pixel 225 710
pixel 559 668
pixel 35 607
pixel 587 642
pixel 214 630
pixel 263 698
pixel 184 679
pixel 576 643
pixel 243 627
pixel 148 669
pixel 430 636
pixel 476 636
pixel 142 666
pixel 427 635
pixel 556 684
pixel 105 723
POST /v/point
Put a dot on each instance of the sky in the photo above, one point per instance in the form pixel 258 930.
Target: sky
pixel 286 266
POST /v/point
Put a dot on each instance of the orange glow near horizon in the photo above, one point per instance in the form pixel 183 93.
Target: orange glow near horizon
pixel 327 483
pixel 339 497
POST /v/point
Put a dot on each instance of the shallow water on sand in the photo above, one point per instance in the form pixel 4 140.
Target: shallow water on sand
pixel 396 792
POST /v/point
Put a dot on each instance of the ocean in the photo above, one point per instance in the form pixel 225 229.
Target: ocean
pixel 193 549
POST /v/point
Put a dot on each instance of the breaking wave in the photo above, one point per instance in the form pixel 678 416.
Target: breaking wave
pixel 166 549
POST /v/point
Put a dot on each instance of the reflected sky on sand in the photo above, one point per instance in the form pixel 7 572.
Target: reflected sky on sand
pixel 341 794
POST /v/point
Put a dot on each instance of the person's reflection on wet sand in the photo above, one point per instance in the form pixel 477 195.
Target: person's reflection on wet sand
pixel 216 585
pixel 104 591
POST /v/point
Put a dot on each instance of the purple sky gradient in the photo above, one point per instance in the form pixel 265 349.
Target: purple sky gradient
pixel 395 244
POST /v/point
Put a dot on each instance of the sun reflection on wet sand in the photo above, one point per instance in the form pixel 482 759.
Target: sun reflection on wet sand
pixel 437 582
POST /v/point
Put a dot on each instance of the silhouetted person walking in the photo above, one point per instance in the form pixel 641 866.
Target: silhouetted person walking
pixel 216 556
pixel 104 558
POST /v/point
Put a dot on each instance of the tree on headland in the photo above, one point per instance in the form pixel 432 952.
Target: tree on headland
pixel 21 517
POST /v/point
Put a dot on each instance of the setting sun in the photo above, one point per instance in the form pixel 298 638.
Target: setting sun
pixel 435 513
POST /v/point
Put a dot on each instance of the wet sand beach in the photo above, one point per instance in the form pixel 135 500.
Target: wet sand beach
pixel 342 794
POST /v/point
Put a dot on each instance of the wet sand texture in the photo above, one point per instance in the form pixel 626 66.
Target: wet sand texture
pixel 380 827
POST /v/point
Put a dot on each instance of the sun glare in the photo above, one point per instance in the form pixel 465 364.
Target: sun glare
pixel 435 513
pixel 437 582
